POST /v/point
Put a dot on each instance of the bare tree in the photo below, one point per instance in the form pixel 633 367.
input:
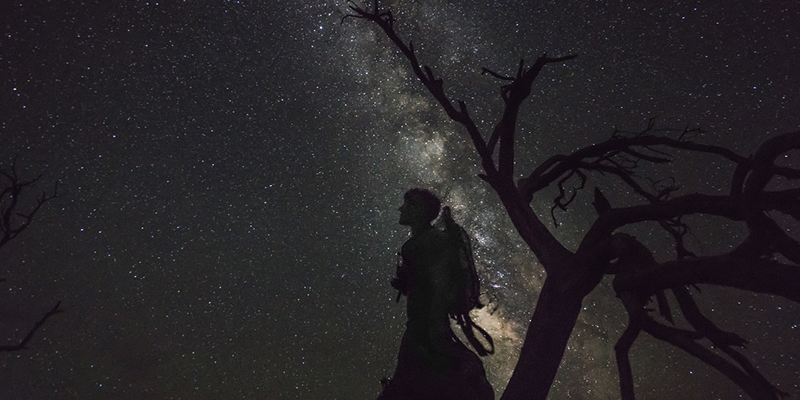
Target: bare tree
pixel 765 262
pixel 17 211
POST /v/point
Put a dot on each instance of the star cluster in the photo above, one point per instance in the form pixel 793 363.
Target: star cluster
pixel 229 174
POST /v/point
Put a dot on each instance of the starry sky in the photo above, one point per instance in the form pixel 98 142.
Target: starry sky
pixel 230 171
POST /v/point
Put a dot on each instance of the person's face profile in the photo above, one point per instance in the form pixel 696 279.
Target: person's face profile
pixel 410 212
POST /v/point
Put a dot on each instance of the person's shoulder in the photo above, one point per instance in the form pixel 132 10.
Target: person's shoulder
pixel 425 241
pixel 433 235
pixel 437 241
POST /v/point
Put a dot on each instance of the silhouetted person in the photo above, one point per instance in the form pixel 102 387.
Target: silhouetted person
pixel 432 363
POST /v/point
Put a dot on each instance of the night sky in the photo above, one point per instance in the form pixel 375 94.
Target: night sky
pixel 230 172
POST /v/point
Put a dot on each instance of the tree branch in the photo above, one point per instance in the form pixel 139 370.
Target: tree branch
pixel 22 344
pixel 684 340
pixel 485 71
pixel 385 21
pixel 622 351
pixel 12 220
pixel 762 167
pixel 724 206
pixel 702 324
pixel 755 275
pixel 600 153
pixel 513 95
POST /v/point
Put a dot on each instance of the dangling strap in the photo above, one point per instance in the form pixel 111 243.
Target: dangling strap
pixel 398 282
pixel 467 326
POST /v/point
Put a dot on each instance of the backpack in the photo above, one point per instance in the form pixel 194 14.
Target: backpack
pixel 470 297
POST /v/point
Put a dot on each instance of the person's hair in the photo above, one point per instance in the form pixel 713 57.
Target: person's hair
pixel 429 202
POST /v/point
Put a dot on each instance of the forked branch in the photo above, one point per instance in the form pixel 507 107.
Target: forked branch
pixel 385 20
pixel 13 220
pixel 512 94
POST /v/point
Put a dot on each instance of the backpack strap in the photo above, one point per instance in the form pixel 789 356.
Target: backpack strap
pixel 468 327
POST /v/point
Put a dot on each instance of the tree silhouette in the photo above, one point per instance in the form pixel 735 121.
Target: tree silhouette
pixel 764 262
pixel 16 214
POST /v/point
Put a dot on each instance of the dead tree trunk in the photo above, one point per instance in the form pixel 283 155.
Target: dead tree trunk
pixel 550 328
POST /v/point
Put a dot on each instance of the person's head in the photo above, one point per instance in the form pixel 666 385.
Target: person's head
pixel 420 206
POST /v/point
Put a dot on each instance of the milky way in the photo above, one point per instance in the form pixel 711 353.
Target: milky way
pixel 230 173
